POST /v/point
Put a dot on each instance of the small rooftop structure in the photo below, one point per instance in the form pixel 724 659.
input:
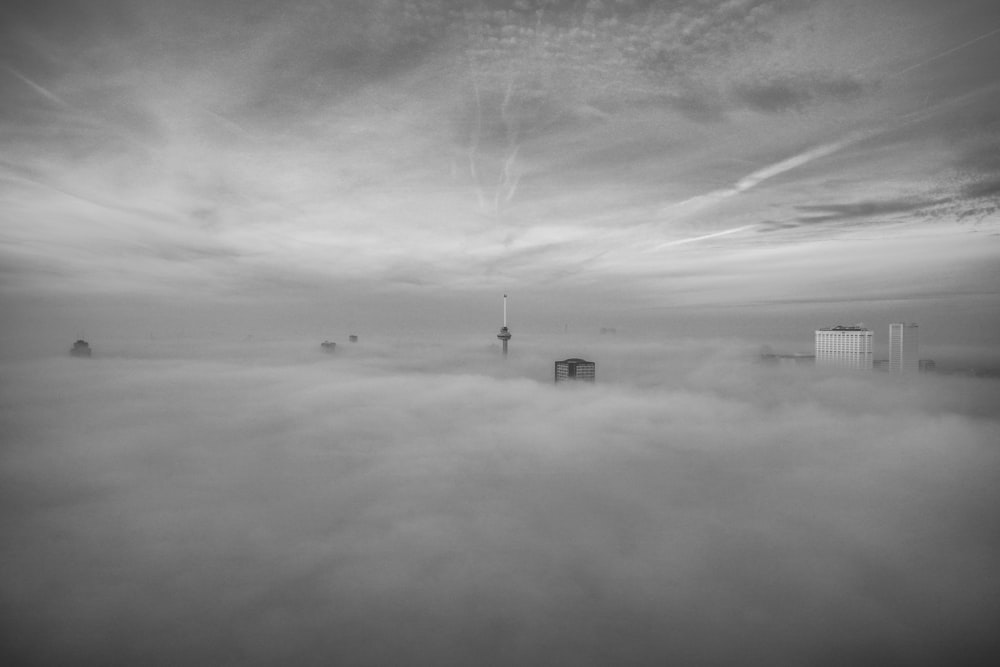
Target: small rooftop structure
pixel 81 348
pixel 841 327
pixel 328 346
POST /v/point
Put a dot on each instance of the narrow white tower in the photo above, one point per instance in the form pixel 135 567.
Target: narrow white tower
pixel 504 334
pixel 903 348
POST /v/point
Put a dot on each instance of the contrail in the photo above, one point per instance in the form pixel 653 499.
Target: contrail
pixel 232 126
pixel 704 236
pixel 751 180
pixel 950 51
pixel 755 178
pixel 47 94
pixel 803 158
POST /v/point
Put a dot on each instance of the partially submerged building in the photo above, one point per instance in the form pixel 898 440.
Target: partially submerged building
pixel 904 354
pixel 575 369
pixel 844 347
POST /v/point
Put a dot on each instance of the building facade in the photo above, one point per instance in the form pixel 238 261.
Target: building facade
pixel 576 370
pixel 844 347
pixel 904 354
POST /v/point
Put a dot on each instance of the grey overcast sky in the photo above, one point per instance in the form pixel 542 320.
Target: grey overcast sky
pixel 386 158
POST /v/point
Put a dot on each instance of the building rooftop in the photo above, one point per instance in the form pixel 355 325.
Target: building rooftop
pixel 840 327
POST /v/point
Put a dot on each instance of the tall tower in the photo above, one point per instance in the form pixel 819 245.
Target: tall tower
pixel 844 347
pixel 903 348
pixel 504 334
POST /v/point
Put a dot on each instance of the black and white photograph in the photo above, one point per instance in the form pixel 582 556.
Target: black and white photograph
pixel 459 333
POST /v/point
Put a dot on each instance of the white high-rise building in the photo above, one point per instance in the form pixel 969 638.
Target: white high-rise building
pixel 844 347
pixel 904 355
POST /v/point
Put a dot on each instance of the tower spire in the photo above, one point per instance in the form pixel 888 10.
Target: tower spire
pixel 504 334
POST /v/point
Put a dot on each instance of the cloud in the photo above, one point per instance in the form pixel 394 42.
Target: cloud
pixel 797 92
pixel 870 209
pixel 758 176
pixel 215 504
pixel 976 164
pixel 241 153
pixel 984 189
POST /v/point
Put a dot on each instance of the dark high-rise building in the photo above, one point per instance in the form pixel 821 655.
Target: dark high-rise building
pixel 81 348
pixel 576 369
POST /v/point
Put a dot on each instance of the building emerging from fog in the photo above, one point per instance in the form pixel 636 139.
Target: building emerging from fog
pixel 576 370
pixel 844 347
pixel 81 348
pixel 903 348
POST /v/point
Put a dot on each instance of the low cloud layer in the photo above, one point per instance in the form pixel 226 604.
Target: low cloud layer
pixel 386 505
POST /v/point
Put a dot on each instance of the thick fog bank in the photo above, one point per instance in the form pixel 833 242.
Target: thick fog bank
pixel 378 507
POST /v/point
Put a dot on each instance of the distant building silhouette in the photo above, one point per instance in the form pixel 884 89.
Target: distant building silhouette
pixel 844 347
pixel 328 346
pixel 81 348
pixel 352 338
pixel 904 355
pixel 575 369
pixel 770 358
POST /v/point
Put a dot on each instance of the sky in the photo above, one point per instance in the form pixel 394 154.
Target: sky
pixel 290 166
